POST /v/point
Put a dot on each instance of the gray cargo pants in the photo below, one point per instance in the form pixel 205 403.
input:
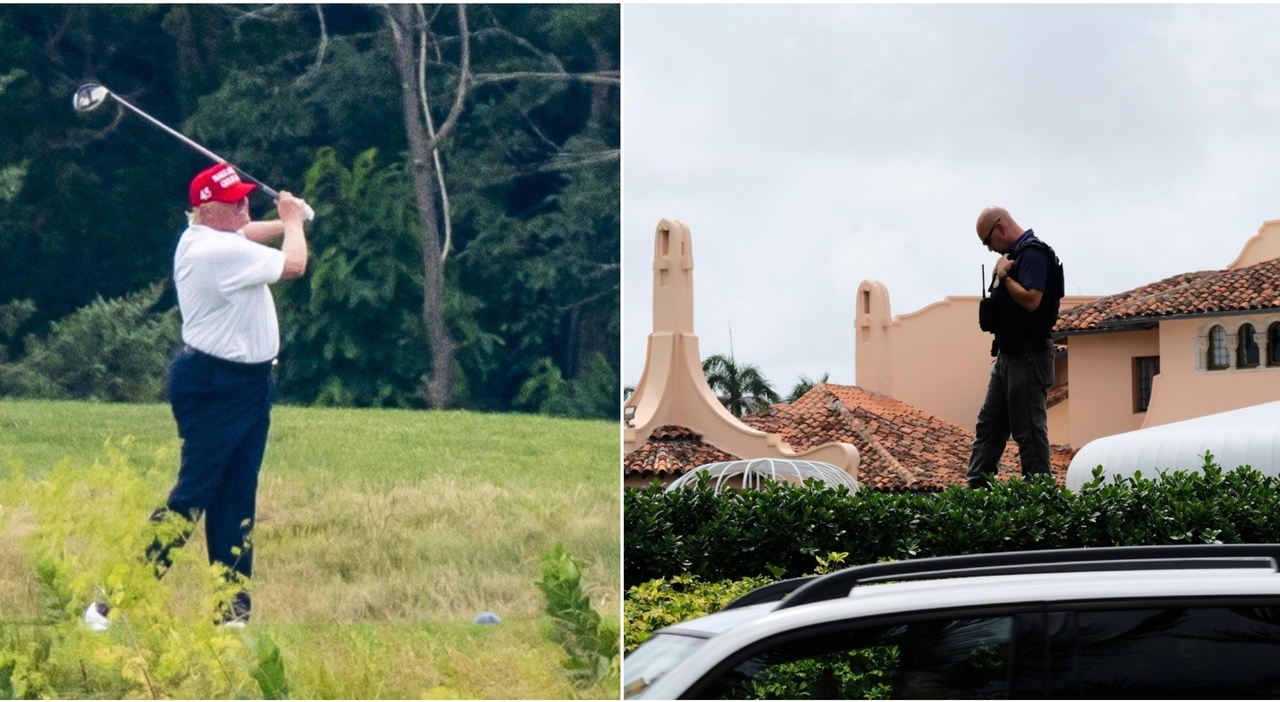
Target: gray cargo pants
pixel 1015 404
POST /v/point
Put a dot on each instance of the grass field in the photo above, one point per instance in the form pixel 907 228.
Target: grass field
pixel 380 534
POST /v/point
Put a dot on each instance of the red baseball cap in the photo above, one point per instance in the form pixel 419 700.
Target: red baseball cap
pixel 220 183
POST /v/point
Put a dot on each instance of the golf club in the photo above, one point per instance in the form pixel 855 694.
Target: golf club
pixel 90 95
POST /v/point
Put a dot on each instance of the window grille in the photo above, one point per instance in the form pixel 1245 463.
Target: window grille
pixel 1219 358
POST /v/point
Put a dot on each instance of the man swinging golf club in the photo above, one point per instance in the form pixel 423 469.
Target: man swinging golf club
pixel 220 384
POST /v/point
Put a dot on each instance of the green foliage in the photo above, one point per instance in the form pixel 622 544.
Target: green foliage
pixel 11 175
pixel 95 214
pixel 592 395
pixel 544 387
pixel 269 671
pixel 532 171
pixel 86 546
pixel 381 533
pixel 654 604
pixel 549 280
pixel 590 642
pixel 110 350
pixel 742 389
pixel 350 328
pixel 804 384
pixel 781 529
pixel 11 180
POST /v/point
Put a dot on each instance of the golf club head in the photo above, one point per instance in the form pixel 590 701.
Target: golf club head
pixel 88 97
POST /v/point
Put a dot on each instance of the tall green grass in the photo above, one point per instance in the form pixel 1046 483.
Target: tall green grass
pixel 380 534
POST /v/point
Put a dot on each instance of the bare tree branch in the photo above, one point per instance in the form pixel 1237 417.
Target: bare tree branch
pixel 533 127
pixel 50 47
pixel 593 298
pixel 445 209
pixel 435 12
pixel 464 78
pixel 565 161
pixel 79 137
pixel 550 59
pixel 320 51
pixel 602 77
pixel 557 164
pixel 392 23
pixel 269 13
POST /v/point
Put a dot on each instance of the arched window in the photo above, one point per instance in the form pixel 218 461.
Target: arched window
pixel 1247 349
pixel 1273 344
pixel 1218 356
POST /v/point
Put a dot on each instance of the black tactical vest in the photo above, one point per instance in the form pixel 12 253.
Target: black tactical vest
pixel 1014 327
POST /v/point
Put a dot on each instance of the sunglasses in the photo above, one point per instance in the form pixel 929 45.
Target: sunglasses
pixel 986 240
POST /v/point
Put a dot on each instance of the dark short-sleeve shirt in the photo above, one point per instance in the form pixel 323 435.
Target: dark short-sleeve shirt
pixel 1031 269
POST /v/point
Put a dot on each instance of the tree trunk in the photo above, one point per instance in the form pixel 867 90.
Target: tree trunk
pixel 438 389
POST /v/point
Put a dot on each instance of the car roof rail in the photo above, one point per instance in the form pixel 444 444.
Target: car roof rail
pixel 771 592
pixel 817 588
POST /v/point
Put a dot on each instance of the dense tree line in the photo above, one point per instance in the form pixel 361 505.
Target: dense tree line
pixel 462 160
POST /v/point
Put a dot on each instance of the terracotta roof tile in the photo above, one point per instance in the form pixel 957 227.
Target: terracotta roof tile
pixel 1056 395
pixel 901 446
pixel 670 452
pixel 1205 292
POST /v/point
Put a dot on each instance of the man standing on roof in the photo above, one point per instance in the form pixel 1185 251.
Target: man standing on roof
pixel 221 385
pixel 1026 289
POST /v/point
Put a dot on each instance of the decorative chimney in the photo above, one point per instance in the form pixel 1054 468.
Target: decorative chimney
pixel 673 390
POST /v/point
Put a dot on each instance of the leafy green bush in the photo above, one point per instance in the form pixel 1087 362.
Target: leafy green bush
pixel 590 642
pixel 85 536
pixel 779 530
pixel 651 605
pixel 592 395
pixel 350 330
pixel 114 350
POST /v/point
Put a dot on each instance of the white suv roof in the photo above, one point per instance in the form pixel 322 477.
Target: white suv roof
pixel 978 581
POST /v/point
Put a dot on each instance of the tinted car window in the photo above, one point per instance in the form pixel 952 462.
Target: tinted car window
pixel 1210 652
pixel 1230 652
pixel 940 658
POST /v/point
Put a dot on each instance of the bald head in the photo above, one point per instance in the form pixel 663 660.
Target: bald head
pixel 997 230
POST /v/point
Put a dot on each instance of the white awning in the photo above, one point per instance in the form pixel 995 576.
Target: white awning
pixel 1246 436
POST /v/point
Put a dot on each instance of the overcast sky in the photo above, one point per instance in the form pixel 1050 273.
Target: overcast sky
pixel 810 148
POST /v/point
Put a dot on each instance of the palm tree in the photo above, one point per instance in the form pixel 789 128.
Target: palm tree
pixel 741 389
pixel 804 384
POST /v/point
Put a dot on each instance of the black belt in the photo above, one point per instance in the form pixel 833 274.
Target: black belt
pixel 235 366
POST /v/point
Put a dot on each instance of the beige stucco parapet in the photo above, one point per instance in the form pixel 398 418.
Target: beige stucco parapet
pixel 673 390
pixel 1263 246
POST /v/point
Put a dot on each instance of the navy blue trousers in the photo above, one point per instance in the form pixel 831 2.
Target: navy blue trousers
pixel 223 411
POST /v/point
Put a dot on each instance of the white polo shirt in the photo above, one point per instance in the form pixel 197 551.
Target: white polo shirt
pixel 227 308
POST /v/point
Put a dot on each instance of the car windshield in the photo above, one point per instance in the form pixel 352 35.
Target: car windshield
pixel 654 658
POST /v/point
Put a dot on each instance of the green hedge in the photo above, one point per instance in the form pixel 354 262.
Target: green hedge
pixel 115 350
pixel 779 531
